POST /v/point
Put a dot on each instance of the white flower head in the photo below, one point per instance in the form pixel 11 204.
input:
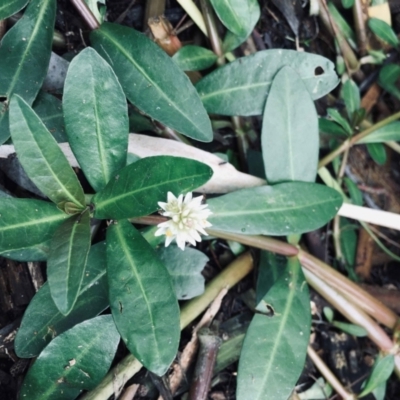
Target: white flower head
pixel 188 218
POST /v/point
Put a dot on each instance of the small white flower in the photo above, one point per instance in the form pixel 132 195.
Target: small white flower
pixel 188 218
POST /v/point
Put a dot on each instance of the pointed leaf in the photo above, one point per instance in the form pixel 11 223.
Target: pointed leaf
pixel 25 53
pixel 137 188
pixel 239 16
pixel 351 96
pixel 43 321
pixel 242 86
pixel 36 252
pixel 10 7
pixel 384 31
pixel 43 160
pixel 185 269
pixel 290 142
pixel 66 262
pixel 377 152
pixel 385 134
pixel 194 58
pixel 274 349
pixel 152 81
pixel 27 222
pixel 76 360
pixel 335 115
pixel 280 210
pixel 96 117
pixel 142 298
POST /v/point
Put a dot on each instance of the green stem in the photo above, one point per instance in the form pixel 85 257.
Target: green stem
pixel 129 366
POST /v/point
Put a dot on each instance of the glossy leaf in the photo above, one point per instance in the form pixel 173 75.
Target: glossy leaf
pixel 347 3
pixel 25 53
pixel 239 16
pixel 76 360
pixel 242 86
pixel 381 372
pixel 43 160
pixel 137 188
pixel 27 222
pixel 282 209
pixel 185 269
pixel 43 321
pixel 49 110
pixel 330 127
pixel 351 96
pixel 290 142
pixel 354 192
pixel 335 115
pixel 385 134
pixel 384 31
pixel 10 7
pixel 274 349
pixel 96 117
pixel 377 152
pixel 351 329
pixel 36 252
pixel 142 298
pixel 66 262
pixel 152 81
pixel 194 58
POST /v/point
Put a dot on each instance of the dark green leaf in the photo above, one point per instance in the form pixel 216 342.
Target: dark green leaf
pixel 388 76
pixel 232 41
pixel 26 222
pixel 242 86
pixel 343 26
pixel 335 115
pixel 354 192
pixel 275 348
pixel 37 252
pixel 152 81
pixel 25 53
pixel 66 262
pixel 137 188
pixel 281 210
pixel 239 17
pixel 330 127
pixel 194 58
pixel 49 110
pixel 96 117
pixel 347 3
pixel 383 30
pixel 74 361
pixel 43 321
pixel 185 269
pixel 377 152
pixel 43 160
pixel 142 298
pixel 10 7
pixel 385 134
pixel 381 372
pixel 290 142
pixel 351 96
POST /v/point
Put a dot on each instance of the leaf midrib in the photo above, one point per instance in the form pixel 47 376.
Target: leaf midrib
pixel 33 222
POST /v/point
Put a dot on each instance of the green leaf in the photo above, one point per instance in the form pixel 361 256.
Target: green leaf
pixel 66 262
pixel 11 7
pixel 242 86
pixel 43 321
pixel 388 76
pixel 335 115
pixel 351 329
pixel 354 192
pixel 290 142
pixel 232 42
pixel 275 348
pixel 328 312
pixel 239 16
pixel 330 127
pixel 280 210
pixel 49 110
pixel 76 360
pixel 381 372
pixel 343 26
pixel 42 159
pixel 384 31
pixel 152 81
pixel 36 252
pixel 347 3
pixel 137 188
pixel 377 152
pixel 25 53
pixel 194 58
pixel 142 298
pixel 185 269
pixel 387 133
pixel 96 117
pixel 351 96
pixel 27 222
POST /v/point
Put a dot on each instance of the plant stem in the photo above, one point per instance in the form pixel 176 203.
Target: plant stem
pixel 349 142
pixel 359 22
pixel 194 13
pixel 86 14
pixel 328 375
pixel 129 366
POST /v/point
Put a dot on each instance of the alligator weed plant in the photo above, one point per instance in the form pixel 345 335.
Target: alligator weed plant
pixel 131 272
